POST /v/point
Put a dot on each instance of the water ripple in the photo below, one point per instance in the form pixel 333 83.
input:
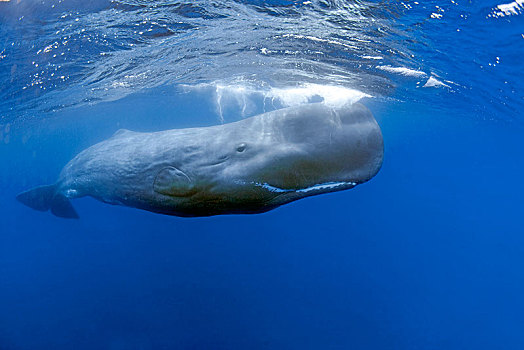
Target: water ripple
pixel 56 54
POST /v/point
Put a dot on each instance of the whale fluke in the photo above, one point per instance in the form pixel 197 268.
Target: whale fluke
pixel 44 198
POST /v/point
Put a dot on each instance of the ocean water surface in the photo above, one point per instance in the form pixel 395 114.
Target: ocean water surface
pixel 429 254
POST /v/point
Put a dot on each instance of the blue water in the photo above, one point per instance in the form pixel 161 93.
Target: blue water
pixel 429 254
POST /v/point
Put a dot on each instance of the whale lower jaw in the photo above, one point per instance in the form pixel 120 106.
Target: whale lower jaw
pixel 277 198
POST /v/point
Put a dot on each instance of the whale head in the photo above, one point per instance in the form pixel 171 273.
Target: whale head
pixel 307 146
pixel 262 162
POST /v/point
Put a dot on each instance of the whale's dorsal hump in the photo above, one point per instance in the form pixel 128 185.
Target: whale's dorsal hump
pixel 122 132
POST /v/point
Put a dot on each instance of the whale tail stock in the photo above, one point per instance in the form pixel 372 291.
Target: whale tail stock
pixel 44 198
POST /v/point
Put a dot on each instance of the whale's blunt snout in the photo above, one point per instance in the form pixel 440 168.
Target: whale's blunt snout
pixel 355 113
pixel 364 144
pixel 317 144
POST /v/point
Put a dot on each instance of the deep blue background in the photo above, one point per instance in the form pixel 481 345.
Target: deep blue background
pixel 428 255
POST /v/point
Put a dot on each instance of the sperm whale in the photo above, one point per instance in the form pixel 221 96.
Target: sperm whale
pixel 249 166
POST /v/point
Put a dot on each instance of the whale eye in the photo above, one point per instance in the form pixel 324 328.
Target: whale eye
pixel 241 147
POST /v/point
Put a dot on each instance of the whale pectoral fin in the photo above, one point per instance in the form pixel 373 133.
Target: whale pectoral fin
pixel 61 207
pixel 171 181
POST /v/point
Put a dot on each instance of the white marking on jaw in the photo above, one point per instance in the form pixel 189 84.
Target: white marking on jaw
pixel 318 187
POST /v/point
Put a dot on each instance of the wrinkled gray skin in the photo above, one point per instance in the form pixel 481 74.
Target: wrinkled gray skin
pixel 249 166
